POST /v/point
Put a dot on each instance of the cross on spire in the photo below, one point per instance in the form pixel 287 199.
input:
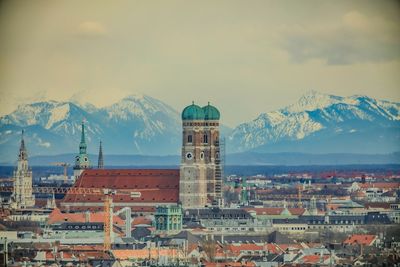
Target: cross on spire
pixel 23 155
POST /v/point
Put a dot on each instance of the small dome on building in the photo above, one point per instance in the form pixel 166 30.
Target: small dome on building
pixel 193 112
pixel 211 112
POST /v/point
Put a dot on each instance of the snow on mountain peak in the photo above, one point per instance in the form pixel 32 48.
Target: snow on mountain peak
pixel 312 113
pixel 313 100
pixel 58 113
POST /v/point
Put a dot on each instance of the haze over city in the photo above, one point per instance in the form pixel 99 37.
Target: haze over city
pixel 199 133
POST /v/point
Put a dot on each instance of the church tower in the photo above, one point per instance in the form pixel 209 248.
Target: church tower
pixel 22 193
pixel 200 172
pixel 81 160
pixel 100 163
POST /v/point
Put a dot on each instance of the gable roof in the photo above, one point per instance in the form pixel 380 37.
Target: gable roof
pixel 154 185
pixel 366 240
pixel 56 216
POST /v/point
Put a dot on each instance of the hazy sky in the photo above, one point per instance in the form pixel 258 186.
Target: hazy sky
pixel 246 57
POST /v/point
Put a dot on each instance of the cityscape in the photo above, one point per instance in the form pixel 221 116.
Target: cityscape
pixel 196 215
pixel 179 133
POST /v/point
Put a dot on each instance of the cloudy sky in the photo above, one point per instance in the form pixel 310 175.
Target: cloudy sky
pixel 246 57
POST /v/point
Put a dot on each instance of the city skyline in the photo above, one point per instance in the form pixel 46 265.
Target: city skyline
pixel 262 56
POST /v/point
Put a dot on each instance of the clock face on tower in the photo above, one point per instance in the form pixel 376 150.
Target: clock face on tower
pixel 189 155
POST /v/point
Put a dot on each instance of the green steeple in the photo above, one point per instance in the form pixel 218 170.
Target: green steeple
pixel 82 160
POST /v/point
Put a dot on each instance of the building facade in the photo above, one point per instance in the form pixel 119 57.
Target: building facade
pixel 168 219
pixel 200 170
pixel 22 193
pixel 82 159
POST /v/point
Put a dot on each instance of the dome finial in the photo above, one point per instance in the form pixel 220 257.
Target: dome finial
pixel 192 102
pixel 208 102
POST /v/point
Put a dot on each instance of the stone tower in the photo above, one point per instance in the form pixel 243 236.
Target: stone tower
pixel 200 171
pixel 100 163
pixel 81 160
pixel 22 193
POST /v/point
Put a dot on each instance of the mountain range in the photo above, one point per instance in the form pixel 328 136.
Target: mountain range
pixel 138 124
pixel 321 123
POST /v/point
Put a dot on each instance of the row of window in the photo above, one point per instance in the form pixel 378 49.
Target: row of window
pixel 190 139
pixel 200 124
pixel 292 228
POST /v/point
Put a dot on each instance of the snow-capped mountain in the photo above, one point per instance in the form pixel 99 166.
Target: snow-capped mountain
pixel 322 123
pixel 137 124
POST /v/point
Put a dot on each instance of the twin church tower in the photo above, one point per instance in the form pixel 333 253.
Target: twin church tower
pixel 200 171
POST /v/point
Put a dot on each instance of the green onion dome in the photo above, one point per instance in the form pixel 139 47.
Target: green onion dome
pixel 193 112
pixel 211 112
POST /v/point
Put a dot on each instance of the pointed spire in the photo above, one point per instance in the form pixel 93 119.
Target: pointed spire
pixel 83 132
pixel 100 164
pixel 82 145
pixel 23 155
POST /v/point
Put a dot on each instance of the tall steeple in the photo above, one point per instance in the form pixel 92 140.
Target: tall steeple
pixel 100 164
pixel 81 160
pixel 82 145
pixel 22 196
pixel 23 155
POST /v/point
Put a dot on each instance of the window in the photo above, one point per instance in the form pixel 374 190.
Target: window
pixel 189 138
pixel 205 139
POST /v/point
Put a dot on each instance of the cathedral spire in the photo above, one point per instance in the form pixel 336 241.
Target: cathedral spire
pixel 23 155
pixel 100 164
pixel 82 145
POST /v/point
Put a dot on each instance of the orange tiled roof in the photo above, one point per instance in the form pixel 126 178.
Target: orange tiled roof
pixel 383 185
pixel 124 254
pixel 229 264
pixel 366 240
pixel 272 248
pixel 56 216
pixel 141 220
pixel 312 259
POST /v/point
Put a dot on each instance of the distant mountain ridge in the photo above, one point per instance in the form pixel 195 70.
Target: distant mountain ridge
pixel 237 159
pixel 321 123
pixel 138 124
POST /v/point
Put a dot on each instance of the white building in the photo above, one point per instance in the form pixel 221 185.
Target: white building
pixel 22 196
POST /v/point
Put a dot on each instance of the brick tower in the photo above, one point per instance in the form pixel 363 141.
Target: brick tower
pixel 200 171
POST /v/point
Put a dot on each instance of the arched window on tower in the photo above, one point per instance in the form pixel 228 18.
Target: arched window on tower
pixel 189 138
pixel 205 139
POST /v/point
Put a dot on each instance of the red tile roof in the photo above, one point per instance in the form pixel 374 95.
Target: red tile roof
pixel 124 254
pixel 275 211
pixel 383 185
pixel 56 216
pixel 229 264
pixel 313 259
pixel 366 240
pixel 155 186
pixel 141 220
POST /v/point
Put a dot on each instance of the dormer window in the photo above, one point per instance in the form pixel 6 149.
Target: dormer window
pixel 190 138
pixel 205 139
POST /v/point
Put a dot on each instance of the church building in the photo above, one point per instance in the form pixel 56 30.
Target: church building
pixel 82 159
pixel 196 184
pixel 22 196
pixel 200 171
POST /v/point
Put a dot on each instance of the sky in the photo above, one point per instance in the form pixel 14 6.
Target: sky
pixel 245 57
